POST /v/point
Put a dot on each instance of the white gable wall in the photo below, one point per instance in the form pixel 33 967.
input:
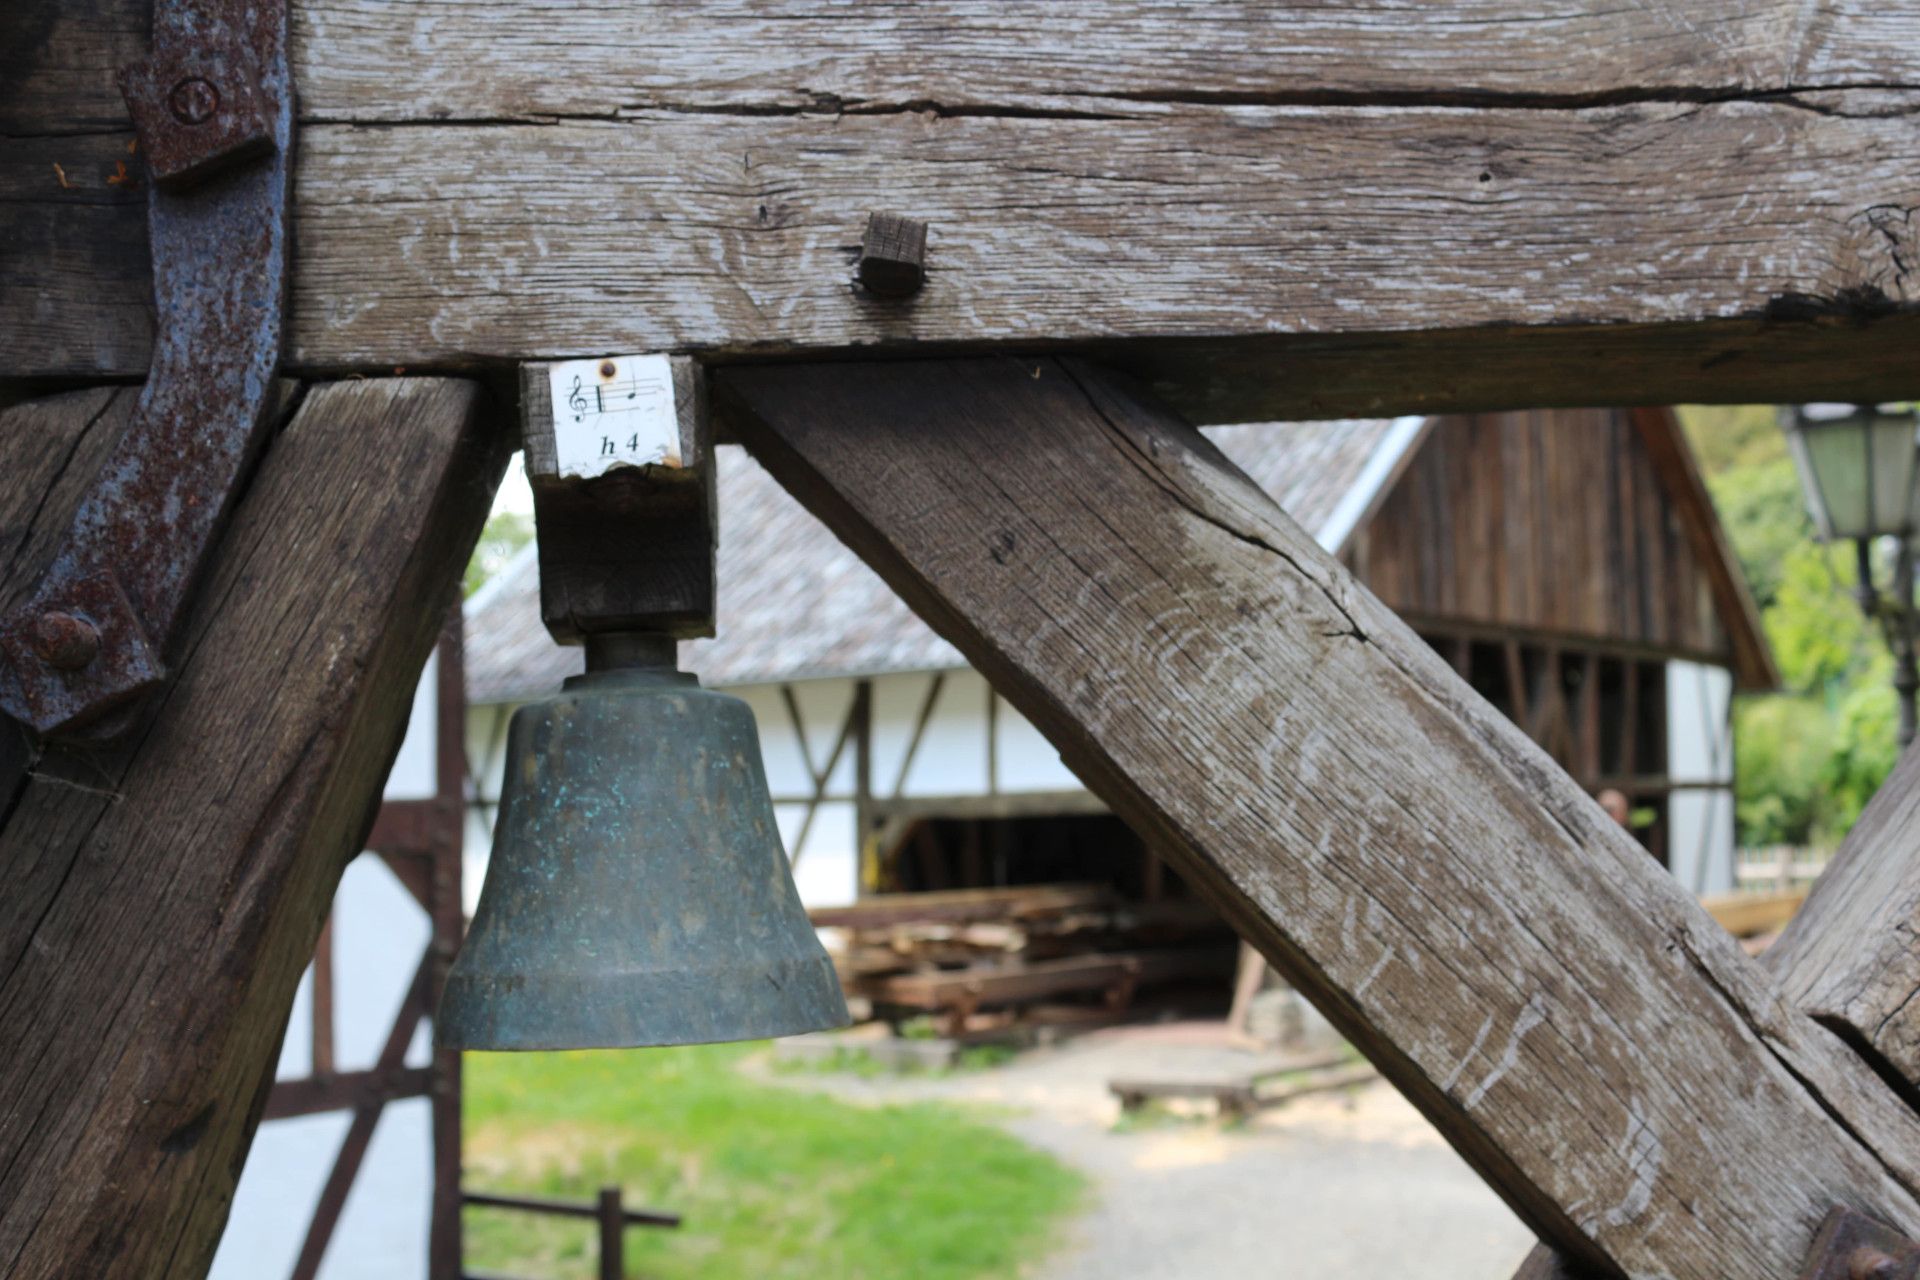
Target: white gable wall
pixel 1700 765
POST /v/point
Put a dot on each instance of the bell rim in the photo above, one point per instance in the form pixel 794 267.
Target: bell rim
pixel 810 999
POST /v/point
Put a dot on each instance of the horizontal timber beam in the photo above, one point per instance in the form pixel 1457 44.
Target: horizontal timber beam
pixel 1552 1000
pixel 408 60
pixel 1257 208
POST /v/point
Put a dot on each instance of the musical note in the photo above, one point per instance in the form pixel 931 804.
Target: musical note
pixel 628 420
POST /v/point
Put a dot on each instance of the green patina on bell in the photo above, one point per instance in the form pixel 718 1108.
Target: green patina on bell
pixel 638 893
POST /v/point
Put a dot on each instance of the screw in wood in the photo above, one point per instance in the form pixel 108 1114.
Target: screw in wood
pixel 193 100
pixel 65 642
pixel 893 255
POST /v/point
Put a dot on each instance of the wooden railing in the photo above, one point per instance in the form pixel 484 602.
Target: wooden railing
pixel 614 1219
pixel 1778 867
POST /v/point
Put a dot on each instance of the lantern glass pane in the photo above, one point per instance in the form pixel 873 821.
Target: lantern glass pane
pixel 1859 472
pixel 1833 459
pixel 1893 465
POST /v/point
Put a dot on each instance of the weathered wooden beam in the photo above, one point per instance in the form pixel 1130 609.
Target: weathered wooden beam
pixel 164 894
pixel 1851 957
pixel 1512 960
pixel 1260 232
pixel 399 60
pixel 1852 961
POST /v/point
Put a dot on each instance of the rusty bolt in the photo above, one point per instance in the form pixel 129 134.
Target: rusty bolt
pixel 193 100
pixel 64 641
pixel 1869 1263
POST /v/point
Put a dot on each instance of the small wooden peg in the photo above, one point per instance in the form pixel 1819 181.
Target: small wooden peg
pixel 893 255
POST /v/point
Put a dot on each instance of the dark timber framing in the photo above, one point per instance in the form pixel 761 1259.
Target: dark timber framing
pixel 1283 210
pixel 419 840
pixel 164 895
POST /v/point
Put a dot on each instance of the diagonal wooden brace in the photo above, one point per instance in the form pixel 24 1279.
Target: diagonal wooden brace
pixel 1574 1024
pixel 164 896
pixel 1851 958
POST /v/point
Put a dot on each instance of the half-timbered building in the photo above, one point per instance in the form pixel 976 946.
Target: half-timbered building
pixel 1567 562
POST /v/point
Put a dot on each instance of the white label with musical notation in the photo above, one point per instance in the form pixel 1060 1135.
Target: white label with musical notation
pixel 616 411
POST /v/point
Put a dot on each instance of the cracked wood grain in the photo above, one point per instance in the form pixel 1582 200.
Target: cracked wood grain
pixel 410 60
pixel 1259 208
pixel 164 894
pixel 1851 957
pixel 1559 248
pixel 1565 1014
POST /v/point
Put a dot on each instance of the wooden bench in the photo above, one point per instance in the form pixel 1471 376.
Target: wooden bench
pixel 1239 1096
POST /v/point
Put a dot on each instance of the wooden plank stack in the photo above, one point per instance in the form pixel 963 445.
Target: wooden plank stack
pixel 980 958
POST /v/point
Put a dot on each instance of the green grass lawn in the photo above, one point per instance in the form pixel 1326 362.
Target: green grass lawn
pixel 772 1182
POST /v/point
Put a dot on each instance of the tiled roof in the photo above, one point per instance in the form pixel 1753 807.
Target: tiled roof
pixel 795 604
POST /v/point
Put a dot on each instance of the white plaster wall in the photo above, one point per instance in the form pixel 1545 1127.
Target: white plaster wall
pixel 952 759
pixel 415 774
pixel 779 744
pixel 1700 751
pixel 1025 760
pixel 826 869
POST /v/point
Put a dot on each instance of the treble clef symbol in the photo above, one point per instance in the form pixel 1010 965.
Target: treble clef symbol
pixel 577 399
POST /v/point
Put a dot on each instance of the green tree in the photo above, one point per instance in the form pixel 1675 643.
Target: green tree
pixel 1822 641
pixel 1865 748
pixel 1726 436
pixel 1766 520
pixel 1782 744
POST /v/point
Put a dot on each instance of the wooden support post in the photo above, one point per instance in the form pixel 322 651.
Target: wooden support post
pixel 321 1020
pixel 1249 973
pixel 164 894
pixel 630 548
pixel 1566 1015
pixel 613 1235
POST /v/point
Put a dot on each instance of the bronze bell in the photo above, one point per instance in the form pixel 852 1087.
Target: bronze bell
pixel 638 893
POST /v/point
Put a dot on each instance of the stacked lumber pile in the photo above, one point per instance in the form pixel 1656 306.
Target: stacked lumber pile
pixel 979 958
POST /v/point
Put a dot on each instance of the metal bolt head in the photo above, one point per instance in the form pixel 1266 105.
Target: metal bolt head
pixel 194 100
pixel 63 641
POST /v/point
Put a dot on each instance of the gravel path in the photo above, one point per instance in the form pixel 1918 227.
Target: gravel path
pixel 1351 1184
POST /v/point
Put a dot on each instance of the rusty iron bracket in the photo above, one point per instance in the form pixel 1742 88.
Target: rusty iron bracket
pixel 213 110
pixel 1852 1246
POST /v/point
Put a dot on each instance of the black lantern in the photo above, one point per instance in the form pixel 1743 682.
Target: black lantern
pixel 1858 466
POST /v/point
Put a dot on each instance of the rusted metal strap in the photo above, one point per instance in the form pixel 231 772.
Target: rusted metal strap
pixel 213 107
pixel 1852 1246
